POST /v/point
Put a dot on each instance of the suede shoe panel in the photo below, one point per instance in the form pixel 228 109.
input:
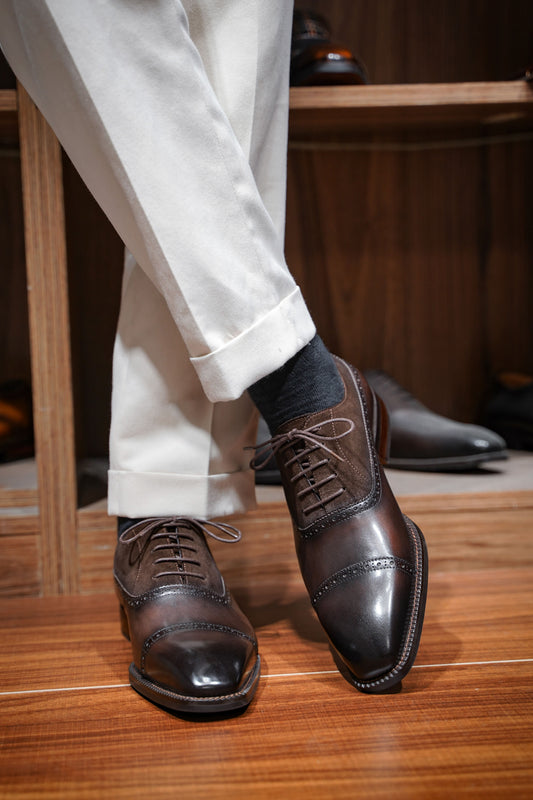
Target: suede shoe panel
pixel 319 485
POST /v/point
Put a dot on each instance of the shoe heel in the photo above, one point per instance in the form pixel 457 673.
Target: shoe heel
pixel 124 627
pixel 381 429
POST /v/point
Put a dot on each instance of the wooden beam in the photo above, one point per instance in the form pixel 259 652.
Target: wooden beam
pixel 46 265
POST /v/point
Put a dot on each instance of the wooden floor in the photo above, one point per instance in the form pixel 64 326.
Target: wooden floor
pixel 462 726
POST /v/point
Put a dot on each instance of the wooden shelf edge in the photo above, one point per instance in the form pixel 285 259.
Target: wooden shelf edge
pixel 322 111
pixel 467 502
pixel 96 517
pixel 18 498
pixel 411 94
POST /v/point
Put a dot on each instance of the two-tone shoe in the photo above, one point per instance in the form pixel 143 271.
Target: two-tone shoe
pixel 364 563
pixel 194 650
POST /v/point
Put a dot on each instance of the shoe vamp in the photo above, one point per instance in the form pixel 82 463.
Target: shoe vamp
pixel 323 489
pixel 424 434
pixel 171 610
pixel 371 540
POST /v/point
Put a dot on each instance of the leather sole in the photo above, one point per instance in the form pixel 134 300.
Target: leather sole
pixel 329 73
pixel 448 464
pixel 185 704
pixel 391 680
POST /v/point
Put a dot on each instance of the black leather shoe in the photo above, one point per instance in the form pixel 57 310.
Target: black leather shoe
pixel 193 649
pixel 423 440
pixel 316 60
pixel 509 409
pixel 364 564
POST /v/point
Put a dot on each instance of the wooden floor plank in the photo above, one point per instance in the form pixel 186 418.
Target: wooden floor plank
pixel 463 532
pixel 470 617
pixel 470 733
pixel 462 726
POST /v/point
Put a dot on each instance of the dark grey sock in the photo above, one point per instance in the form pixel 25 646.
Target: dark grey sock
pixel 308 382
pixel 123 523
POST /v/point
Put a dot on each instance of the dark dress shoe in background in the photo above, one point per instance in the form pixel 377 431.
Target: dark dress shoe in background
pixel 16 421
pixel 194 650
pixel 364 564
pixel 424 440
pixel 316 60
pixel 509 409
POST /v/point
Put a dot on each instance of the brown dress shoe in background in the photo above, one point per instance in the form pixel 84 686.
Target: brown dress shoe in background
pixel 316 60
pixel 364 564
pixel 193 648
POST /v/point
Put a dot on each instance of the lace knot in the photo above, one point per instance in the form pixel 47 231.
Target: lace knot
pixel 178 537
pixel 318 481
pixel 266 451
pixel 154 524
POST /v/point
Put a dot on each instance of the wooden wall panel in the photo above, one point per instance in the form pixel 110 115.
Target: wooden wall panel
pixel 95 256
pixel 508 261
pixel 14 335
pixel 417 260
pixel 402 41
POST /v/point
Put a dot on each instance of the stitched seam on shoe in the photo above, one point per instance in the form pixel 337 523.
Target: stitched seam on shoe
pixel 414 608
pixel 191 626
pixel 361 568
pixel 372 497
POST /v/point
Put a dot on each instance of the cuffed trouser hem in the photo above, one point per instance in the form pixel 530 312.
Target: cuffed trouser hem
pixel 155 494
pixel 226 373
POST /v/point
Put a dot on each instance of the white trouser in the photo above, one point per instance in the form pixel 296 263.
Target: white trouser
pixel 175 115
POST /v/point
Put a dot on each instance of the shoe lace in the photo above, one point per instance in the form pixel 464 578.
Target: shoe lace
pixel 178 536
pixel 303 443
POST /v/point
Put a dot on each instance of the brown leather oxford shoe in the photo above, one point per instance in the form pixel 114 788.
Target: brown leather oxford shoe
pixel 364 564
pixel 318 61
pixel 193 648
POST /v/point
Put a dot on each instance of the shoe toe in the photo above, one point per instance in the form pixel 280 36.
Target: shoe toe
pixel 481 440
pixel 366 620
pixel 206 663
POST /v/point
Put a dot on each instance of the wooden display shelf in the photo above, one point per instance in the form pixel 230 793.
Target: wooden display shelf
pixel 47 521
pixel 341 111
pixel 323 111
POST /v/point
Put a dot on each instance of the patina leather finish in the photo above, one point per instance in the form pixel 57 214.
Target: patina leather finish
pixel 363 562
pixel 193 648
